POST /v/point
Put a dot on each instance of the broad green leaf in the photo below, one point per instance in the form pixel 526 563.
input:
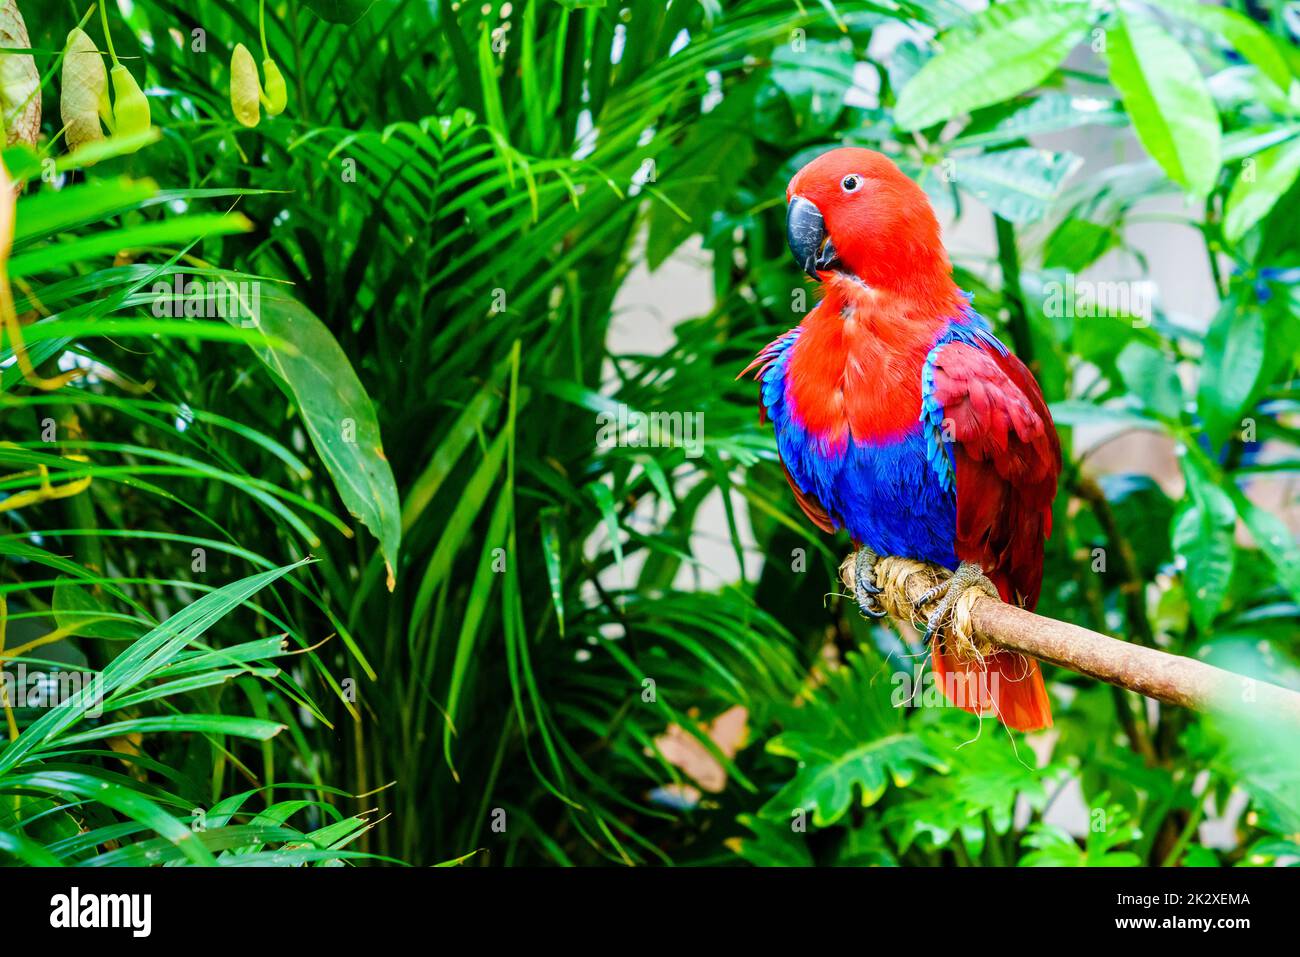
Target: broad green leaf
pixel 1167 100
pixel 337 413
pixel 1049 112
pixel 1001 52
pixel 1230 367
pixel 1263 180
pixel 1273 538
pixel 814 78
pixel 849 741
pixel 1077 243
pixel 1018 184
pixel 1052 846
pixel 985 781
pixel 1257 748
pixel 826 788
pixel 1079 412
pixel 1246 36
pixel 1150 376
pixel 1202 536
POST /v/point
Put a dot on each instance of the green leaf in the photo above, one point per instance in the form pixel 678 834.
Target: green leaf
pixel 605 502
pixel 773 844
pixel 341 11
pixel 1150 376
pixel 690 179
pixel 488 63
pixel 235 725
pixel 1263 754
pixel 111 242
pixel 986 780
pixel 1264 179
pixel 1246 36
pixel 338 415
pixel 1230 368
pixel 1019 184
pixel 1273 538
pixel 1001 52
pixel 848 738
pixel 826 789
pixel 1202 537
pixel 1049 112
pixel 26 850
pixel 814 80
pixel 1078 243
pixel 550 522
pixel 1167 100
pixel 1109 826
pixel 138 662
pixel 78 610
pixel 1080 412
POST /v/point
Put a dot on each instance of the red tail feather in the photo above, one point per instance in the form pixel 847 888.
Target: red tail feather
pixel 1005 684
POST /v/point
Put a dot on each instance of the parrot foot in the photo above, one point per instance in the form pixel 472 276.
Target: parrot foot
pixel 864 577
pixel 967 576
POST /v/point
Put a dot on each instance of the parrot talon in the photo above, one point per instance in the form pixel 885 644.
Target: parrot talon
pixel 968 575
pixel 864 576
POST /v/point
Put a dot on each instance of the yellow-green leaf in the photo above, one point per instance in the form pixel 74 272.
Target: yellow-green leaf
pixel 84 97
pixel 277 93
pixel 1000 52
pixel 1167 100
pixel 245 89
pixel 131 115
pixel 1263 181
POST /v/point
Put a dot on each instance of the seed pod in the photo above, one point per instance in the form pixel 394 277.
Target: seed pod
pixel 84 100
pixel 277 94
pixel 20 81
pixel 245 90
pixel 130 105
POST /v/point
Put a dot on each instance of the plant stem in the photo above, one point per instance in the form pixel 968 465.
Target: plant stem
pixel 1012 294
pixel 261 26
pixel 108 37
pixel 1131 585
pixel 1189 829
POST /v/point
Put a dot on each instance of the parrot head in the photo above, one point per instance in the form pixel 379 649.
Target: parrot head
pixel 853 214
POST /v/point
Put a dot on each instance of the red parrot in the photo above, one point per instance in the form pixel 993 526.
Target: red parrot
pixel 902 419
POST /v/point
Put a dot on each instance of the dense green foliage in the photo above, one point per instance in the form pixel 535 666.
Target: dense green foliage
pixel 502 616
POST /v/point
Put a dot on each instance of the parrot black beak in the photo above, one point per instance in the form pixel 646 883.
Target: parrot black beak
pixel 805 231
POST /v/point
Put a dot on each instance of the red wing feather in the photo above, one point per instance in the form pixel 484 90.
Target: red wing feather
pixel 1007 458
pixel 818 515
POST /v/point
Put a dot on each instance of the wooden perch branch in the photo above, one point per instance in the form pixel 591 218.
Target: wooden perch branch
pixel 1171 679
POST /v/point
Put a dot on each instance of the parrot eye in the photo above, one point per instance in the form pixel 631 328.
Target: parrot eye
pixel 851 183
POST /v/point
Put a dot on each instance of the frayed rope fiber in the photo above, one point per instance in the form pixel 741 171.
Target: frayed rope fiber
pixel 904 581
pixel 978 628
